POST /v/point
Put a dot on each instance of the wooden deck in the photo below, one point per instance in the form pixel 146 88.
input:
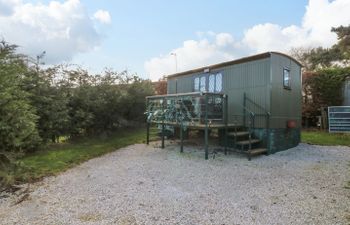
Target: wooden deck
pixel 200 126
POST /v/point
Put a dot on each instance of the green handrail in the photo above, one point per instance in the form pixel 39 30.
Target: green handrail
pixel 267 115
pixel 256 104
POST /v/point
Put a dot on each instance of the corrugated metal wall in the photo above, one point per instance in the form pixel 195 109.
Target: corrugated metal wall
pixel 171 86
pixel 184 84
pixel 258 79
pixel 250 77
pixel 286 104
pixel 180 84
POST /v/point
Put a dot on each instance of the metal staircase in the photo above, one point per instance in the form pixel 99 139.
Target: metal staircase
pixel 242 136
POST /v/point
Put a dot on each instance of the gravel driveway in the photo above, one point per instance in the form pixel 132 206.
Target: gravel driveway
pixel 142 184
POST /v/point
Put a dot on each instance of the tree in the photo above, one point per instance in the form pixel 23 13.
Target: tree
pixel 323 88
pixel 343 45
pixel 66 101
pixel 160 86
pixel 18 131
pixel 318 58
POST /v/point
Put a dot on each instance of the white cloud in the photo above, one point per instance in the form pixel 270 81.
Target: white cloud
pixel 272 37
pixel 319 18
pixel 193 54
pixel 62 29
pixel 315 29
pixel 102 16
pixel 6 7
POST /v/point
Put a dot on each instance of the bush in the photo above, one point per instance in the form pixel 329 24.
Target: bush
pixel 18 130
pixel 323 88
pixel 38 106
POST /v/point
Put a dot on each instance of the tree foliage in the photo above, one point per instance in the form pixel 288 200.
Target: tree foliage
pixel 40 105
pixel 343 45
pixel 160 86
pixel 323 88
pixel 318 58
pixel 324 73
pixel 18 130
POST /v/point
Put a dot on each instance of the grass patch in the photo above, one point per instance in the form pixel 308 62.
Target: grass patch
pixel 347 186
pixel 60 157
pixel 325 138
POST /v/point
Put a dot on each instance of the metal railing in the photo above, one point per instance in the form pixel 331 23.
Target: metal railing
pixel 250 123
pixel 188 108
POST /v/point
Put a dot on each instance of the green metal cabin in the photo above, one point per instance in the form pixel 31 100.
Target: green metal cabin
pixel 263 92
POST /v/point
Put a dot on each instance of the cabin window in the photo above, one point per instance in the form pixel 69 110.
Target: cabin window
pixel 202 85
pixel 215 82
pixel 218 82
pixel 286 78
pixel 211 82
pixel 196 84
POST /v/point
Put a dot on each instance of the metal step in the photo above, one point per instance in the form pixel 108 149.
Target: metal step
pixel 257 151
pixel 246 142
pixel 239 133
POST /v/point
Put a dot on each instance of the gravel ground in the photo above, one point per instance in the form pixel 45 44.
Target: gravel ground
pixel 143 184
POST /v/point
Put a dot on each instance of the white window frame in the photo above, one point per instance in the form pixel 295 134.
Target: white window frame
pixel 216 89
pixel 211 77
pixel 203 87
pixel 199 86
pixel 286 82
pixel 196 84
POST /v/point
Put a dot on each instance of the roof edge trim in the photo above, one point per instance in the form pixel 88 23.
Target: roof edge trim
pixel 233 62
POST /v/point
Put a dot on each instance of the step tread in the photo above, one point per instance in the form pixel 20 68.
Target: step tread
pixel 257 151
pixel 246 142
pixel 238 133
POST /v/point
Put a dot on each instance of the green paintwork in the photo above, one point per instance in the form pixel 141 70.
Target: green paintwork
pixel 280 139
pixel 286 104
pixel 262 81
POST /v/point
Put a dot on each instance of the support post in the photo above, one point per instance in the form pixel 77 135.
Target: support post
pixel 181 127
pixel 251 124
pixel 226 120
pixel 235 137
pixel 147 123
pixel 206 128
pixel 181 138
pixel 244 107
pixel 163 135
pixel 147 136
pixel 268 133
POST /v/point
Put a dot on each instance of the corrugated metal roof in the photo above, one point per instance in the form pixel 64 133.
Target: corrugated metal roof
pixel 229 63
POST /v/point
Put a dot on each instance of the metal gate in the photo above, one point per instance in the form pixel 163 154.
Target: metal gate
pixel 339 119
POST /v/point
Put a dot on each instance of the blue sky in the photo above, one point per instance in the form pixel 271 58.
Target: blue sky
pixel 140 35
pixel 143 29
